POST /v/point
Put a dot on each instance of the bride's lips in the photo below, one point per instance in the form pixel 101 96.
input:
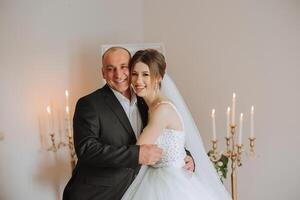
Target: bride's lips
pixel 138 88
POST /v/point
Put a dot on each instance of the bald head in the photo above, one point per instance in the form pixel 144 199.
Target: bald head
pixel 115 69
pixel 113 49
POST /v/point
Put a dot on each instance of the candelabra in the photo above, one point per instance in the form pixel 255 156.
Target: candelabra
pixel 234 154
pixel 72 151
pixel 69 133
pixel 55 147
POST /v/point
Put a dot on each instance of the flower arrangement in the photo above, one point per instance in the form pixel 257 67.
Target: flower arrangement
pixel 220 164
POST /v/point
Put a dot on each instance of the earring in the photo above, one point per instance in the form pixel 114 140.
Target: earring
pixel 156 86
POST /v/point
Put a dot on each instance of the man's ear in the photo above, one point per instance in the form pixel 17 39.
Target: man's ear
pixel 103 74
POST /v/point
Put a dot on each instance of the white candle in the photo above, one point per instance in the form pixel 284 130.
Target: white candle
pixel 67 97
pixel 252 122
pixel 67 110
pixel 50 118
pixel 228 122
pixel 241 128
pixel 213 117
pixel 68 121
pixel 68 113
pixel 233 109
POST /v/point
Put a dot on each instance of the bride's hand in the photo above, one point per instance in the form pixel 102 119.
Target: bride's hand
pixel 189 163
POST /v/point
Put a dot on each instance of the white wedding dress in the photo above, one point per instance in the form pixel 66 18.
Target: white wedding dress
pixel 167 179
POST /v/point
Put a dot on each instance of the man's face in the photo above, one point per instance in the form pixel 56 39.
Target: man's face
pixel 115 70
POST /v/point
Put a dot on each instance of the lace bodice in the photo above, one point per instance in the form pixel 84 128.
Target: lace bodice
pixel 172 143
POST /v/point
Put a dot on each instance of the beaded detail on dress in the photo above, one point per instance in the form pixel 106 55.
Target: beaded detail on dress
pixel 172 143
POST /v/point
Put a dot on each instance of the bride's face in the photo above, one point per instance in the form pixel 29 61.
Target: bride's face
pixel 141 80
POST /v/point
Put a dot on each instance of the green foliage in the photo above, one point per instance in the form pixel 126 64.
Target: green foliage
pixel 221 165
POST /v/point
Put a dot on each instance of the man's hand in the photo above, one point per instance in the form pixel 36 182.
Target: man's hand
pixel 189 163
pixel 149 154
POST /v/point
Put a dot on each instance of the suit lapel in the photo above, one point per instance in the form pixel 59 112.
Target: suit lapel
pixel 118 110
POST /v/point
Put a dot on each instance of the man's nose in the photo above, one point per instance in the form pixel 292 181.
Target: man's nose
pixel 118 73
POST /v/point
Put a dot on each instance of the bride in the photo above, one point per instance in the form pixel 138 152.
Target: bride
pixel 172 128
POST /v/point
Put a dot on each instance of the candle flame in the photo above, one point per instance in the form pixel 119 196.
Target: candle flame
pixel 67 109
pixel 67 93
pixel 252 109
pixel 49 110
pixel 242 116
pixel 228 109
pixel 234 96
pixel 213 112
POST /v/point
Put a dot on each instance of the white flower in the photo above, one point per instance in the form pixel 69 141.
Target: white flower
pixel 220 173
pixel 220 164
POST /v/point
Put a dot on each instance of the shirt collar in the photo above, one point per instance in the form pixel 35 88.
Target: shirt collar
pixel 122 98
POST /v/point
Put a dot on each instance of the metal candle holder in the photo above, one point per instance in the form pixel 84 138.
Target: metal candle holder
pixel 55 147
pixel 234 153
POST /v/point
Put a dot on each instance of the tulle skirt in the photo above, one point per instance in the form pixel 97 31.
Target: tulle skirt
pixel 168 183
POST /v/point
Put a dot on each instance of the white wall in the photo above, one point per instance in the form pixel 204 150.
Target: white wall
pixel 213 49
pixel 252 48
pixel 46 47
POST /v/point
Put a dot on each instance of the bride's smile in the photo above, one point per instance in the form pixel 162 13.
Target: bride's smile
pixel 140 80
pixel 138 88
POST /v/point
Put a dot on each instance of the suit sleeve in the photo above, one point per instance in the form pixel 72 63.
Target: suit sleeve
pixel 90 150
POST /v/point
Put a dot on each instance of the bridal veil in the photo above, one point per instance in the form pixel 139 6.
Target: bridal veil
pixel 204 168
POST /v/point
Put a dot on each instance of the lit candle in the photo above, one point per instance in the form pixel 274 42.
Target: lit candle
pixel 241 128
pixel 67 110
pixel 50 117
pixel 233 109
pixel 68 121
pixel 67 97
pixel 252 122
pixel 228 122
pixel 213 117
pixel 48 110
pixel 68 113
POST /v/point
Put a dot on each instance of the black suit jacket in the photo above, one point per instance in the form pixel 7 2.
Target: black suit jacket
pixel 105 146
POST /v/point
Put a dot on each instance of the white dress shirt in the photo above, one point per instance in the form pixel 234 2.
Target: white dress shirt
pixel 131 110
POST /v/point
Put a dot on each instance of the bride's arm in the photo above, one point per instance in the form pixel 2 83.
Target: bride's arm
pixel 158 120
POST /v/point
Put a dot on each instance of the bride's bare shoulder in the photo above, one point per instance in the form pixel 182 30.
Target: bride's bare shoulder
pixel 163 110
